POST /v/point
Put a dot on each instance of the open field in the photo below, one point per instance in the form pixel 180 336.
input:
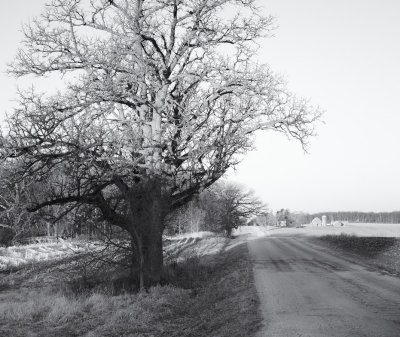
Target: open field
pixel 359 229
pixel 210 292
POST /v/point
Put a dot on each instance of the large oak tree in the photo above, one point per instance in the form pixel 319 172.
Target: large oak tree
pixel 160 98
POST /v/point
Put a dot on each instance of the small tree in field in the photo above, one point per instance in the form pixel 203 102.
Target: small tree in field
pixel 160 98
pixel 229 205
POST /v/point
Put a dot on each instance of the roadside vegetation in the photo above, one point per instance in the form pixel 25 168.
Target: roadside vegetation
pixel 383 252
pixel 202 294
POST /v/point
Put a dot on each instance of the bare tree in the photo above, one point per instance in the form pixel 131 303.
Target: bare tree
pixel 230 205
pixel 160 99
pixel 286 218
pixel 188 218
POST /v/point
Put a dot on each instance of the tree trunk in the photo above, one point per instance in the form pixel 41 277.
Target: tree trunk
pixel 147 228
pixel 152 253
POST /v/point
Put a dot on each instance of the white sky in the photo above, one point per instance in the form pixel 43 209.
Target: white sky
pixel 342 54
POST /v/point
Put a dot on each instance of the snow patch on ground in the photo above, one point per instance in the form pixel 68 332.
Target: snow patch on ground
pixel 182 247
pixel 253 231
pixel 208 244
pixel 178 248
pixel 203 234
pixel 16 256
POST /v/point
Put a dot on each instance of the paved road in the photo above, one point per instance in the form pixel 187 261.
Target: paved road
pixel 306 291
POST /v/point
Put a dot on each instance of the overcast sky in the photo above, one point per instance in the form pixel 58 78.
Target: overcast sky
pixel 344 56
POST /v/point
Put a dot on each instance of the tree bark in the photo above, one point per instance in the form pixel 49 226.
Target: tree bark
pixel 152 253
pixel 147 227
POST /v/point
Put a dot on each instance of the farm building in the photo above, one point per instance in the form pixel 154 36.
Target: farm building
pixel 316 222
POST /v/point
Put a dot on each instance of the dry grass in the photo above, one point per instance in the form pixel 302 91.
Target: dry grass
pixel 383 252
pixel 216 299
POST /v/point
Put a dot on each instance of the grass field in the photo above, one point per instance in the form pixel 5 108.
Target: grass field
pixel 382 252
pixel 210 293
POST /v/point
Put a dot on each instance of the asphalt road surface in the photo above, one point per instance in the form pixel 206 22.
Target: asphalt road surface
pixel 306 291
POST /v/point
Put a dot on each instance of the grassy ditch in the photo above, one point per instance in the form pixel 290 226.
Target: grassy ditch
pixel 383 252
pixel 216 298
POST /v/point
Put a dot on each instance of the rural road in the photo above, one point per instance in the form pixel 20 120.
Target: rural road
pixel 307 292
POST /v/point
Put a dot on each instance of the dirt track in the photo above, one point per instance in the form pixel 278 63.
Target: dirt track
pixel 306 291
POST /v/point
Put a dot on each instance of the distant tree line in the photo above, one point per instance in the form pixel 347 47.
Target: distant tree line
pixel 361 217
pixel 17 223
